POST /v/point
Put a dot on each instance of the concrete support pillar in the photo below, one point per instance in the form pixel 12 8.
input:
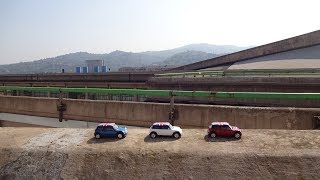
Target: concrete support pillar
pixel 172 102
pixel 4 92
pixel 171 113
pixel 86 94
pixel 61 107
pixel 48 93
pixel 136 97
pixel 32 92
pixel 316 123
pixel 66 93
pixel 109 95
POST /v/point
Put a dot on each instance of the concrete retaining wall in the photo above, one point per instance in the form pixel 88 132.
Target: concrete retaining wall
pixel 144 114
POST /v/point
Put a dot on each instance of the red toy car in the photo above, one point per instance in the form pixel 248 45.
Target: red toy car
pixel 223 129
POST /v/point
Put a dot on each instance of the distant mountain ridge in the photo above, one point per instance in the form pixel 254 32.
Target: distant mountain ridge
pixel 117 59
pixel 187 57
pixel 203 47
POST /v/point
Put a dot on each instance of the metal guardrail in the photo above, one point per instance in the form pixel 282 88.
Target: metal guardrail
pixel 251 72
pixel 169 93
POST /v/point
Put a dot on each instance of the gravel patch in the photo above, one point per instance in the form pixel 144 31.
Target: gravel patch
pixel 57 139
pixel 44 156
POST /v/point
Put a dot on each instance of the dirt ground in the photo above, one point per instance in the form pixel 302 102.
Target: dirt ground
pixel 53 153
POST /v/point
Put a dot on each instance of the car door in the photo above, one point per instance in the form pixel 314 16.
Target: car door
pixel 100 130
pixel 214 128
pixel 226 130
pixel 163 130
pixel 218 130
pixel 109 131
pixel 167 131
pixel 104 131
pixel 160 130
pixel 156 128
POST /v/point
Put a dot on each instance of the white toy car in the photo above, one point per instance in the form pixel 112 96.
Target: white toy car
pixel 165 129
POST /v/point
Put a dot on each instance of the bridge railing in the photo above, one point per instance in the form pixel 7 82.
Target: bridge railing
pixel 209 94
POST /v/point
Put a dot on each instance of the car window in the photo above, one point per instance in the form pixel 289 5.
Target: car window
pixel 155 127
pixel 99 128
pixel 225 127
pixel 108 128
pixel 215 126
pixel 165 127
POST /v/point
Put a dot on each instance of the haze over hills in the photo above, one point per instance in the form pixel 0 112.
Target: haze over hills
pixel 203 47
pixel 117 59
pixel 187 57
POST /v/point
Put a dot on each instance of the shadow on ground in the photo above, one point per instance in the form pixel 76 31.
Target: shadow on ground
pixel 159 139
pixel 93 140
pixel 220 139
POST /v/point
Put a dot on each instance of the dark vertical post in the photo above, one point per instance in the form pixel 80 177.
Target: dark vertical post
pixel 67 94
pixel 5 91
pixel 316 123
pixel 61 106
pixel 48 93
pixel 32 92
pixel 171 113
pixel 86 94
pixel 136 97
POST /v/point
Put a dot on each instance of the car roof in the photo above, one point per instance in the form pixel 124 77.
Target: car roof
pixel 107 124
pixel 220 123
pixel 161 123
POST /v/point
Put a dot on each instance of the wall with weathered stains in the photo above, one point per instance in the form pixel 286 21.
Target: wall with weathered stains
pixel 144 114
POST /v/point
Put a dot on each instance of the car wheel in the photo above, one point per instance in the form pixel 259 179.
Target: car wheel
pixel 176 135
pixel 237 135
pixel 213 135
pixel 120 135
pixel 153 135
pixel 97 136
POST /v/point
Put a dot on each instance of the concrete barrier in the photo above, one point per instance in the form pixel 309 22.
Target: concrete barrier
pixel 144 114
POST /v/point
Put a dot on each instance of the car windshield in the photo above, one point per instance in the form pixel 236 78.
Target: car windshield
pixel 115 126
pixel 171 127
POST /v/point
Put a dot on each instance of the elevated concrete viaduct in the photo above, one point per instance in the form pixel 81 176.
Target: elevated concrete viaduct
pixel 106 80
pixel 144 114
pixel 241 84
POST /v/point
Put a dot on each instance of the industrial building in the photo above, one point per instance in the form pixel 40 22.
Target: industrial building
pixel 93 66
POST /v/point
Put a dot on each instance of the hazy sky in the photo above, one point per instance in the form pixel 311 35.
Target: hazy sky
pixel 35 29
